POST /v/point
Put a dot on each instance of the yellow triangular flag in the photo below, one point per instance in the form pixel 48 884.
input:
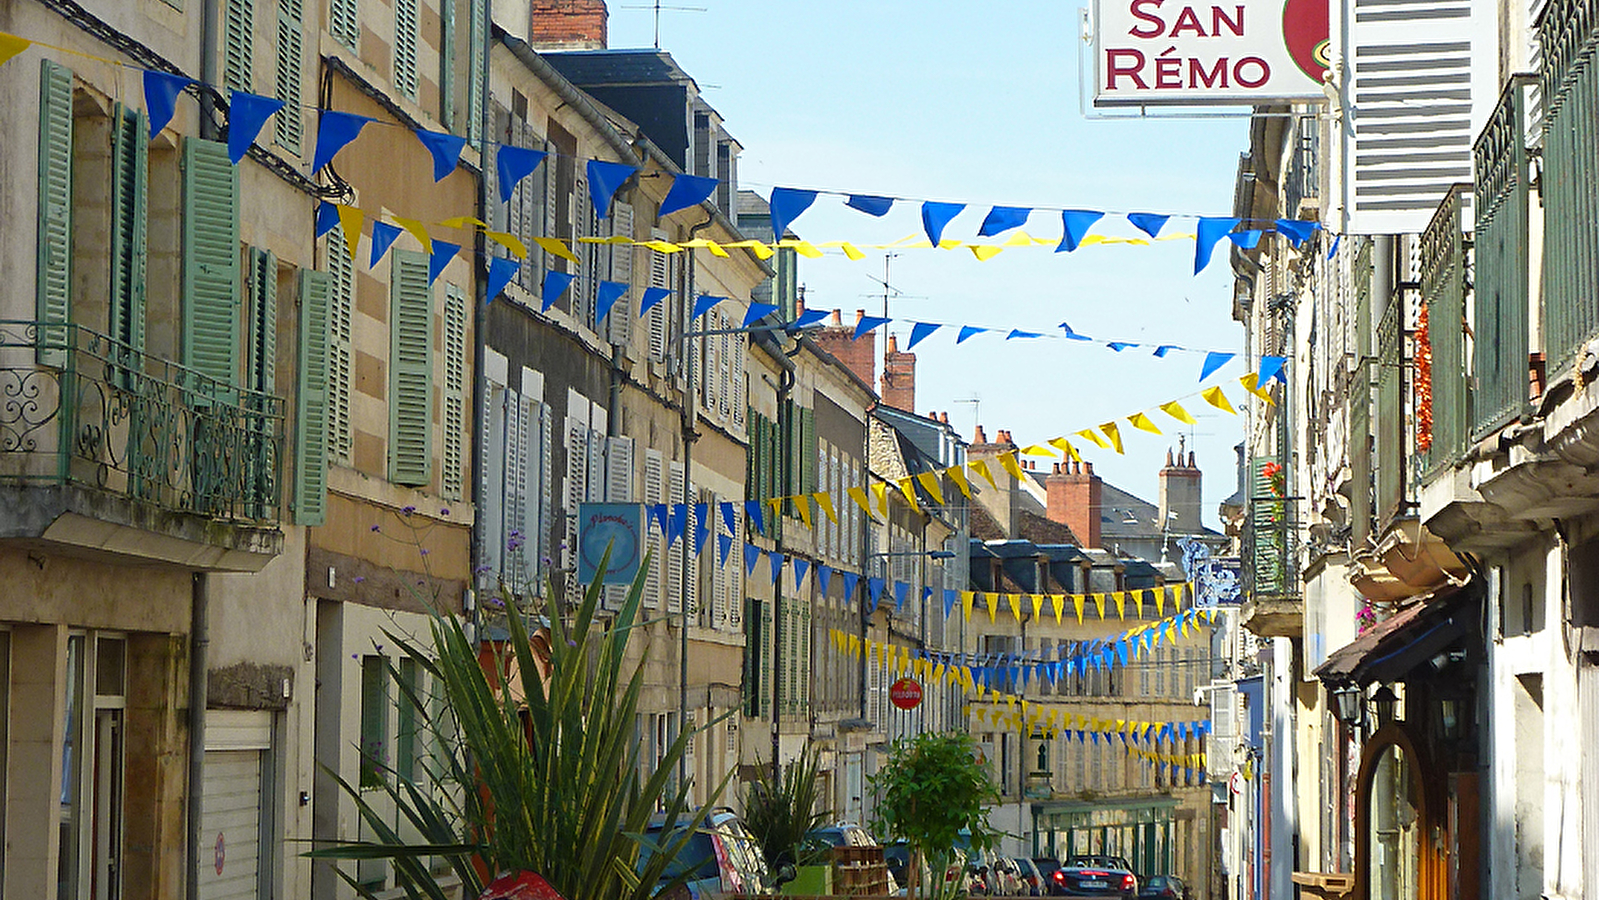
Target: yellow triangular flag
pixel 984 252
pixel 417 230
pixel 1021 239
pixel 1077 601
pixel 956 475
pixel 1250 385
pixel 1015 605
pixel 1037 450
pixel 1160 602
pixel 1121 604
pixel 982 715
pixel 929 483
pixel 825 501
pixel 463 222
pixel 1114 434
pixel 858 494
pixel 904 485
pixel 966 603
pixel 11 45
pixel 1176 411
pixel 1216 398
pixel 802 505
pixel 851 251
pixel 657 246
pixel 1142 423
pixel 1138 598
pixel 992 602
pixel 776 503
pixel 980 466
pixel 1059 602
pixel 880 491
pixel 1038 605
pixel 1067 451
pixel 557 247
pixel 508 241
pixel 1008 460
pixel 1092 435
pixel 1099 604
pixel 350 219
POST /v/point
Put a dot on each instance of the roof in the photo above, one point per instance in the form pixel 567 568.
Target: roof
pixel 1032 527
pixel 1389 650
pixel 586 68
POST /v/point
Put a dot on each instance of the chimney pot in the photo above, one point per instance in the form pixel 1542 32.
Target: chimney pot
pixel 893 345
pixel 980 437
pixel 943 418
pixel 1088 468
pixel 1191 464
pixel 859 315
pixel 837 319
pixel 1168 456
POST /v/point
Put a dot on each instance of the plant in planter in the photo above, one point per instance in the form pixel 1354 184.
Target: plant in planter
pixel 933 788
pixel 781 809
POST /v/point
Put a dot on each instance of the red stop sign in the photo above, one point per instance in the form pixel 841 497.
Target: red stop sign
pixel 905 694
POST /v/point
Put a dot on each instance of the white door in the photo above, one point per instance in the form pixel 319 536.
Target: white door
pixel 234 827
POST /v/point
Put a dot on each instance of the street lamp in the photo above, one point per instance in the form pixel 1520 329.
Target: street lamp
pixel 1350 702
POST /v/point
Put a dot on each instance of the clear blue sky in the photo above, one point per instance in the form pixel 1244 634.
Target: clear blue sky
pixel 979 103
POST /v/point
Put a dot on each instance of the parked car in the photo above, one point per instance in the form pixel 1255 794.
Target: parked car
pixel 1049 872
pixel 897 855
pixel 1165 887
pixel 1032 880
pixel 1000 876
pixel 1097 876
pixel 848 834
pixel 721 857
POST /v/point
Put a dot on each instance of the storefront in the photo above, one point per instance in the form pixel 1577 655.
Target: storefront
pixel 1144 830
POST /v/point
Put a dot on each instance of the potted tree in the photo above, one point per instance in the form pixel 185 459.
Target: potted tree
pixel 933 793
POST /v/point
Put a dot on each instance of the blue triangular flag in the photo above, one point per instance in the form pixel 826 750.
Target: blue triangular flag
pixel 1074 225
pixel 724 545
pixel 605 297
pixel 443 252
pixel 824 577
pixel 808 317
pixel 728 517
pixel 327 217
pixel 703 304
pixel 1296 231
pixel 1248 240
pixel 801 566
pixel 920 330
pixel 1334 248
pixel 777 560
pixel 752 556
pixel 1018 333
pixel 161 92
pixel 652 296
pixel 867 324
pixel 1121 651
pixel 334 131
pixel 936 215
pixel 786 205
pixel 752 511
pixel 1119 346
pixel 555 284
pixel 512 164
pixel 1270 367
pixel 1213 361
pixel 1164 349
pixel 501 270
pixel 950 596
pixel 247 113
pixel 383 235
pixel 966 332
pixel 1072 335
pixel 701 526
pixel 872 206
pixel 901 591
pixel 1003 218
pixel 605 179
pixel 927 593
pixel 757 312
pixel 1209 231
pixel 658 516
pixel 850 580
pixel 1148 223
pixel 445 148
pixel 686 191
pixel 874 589
pixel 677 523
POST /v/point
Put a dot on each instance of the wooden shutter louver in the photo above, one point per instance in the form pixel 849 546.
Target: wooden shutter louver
pixel 130 143
pixel 238 69
pixel 54 274
pixel 452 479
pixel 341 303
pixel 406 27
pixel 619 328
pixel 261 366
pixel 344 22
pixel 654 492
pixel 210 261
pixel 288 121
pixel 491 505
pixel 410 369
pixel 513 490
pixel 311 437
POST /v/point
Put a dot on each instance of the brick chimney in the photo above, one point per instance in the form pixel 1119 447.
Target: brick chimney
pixel 1180 493
pixel 858 356
pixel 1074 496
pixel 1001 504
pixel 568 25
pixel 899 377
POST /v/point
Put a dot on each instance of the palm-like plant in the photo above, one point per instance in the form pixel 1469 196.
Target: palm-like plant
pixel 781 810
pixel 542 775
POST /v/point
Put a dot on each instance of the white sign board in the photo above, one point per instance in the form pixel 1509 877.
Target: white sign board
pixel 1174 52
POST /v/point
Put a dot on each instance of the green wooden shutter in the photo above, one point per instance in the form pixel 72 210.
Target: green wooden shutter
pixel 808 451
pixel 261 364
pixel 449 110
pixel 405 39
pixel 238 39
pixel 289 124
pixel 341 274
pixel 344 22
pixel 210 261
pixel 410 369
pixel 311 438
pixel 450 477
pixel 54 276
pixel 474 78
pixel 130 143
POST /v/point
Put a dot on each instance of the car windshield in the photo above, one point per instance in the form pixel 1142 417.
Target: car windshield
pixel 1155 881
pixel 698 858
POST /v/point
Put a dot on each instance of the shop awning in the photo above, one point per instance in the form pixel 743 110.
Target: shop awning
pixel 1393 647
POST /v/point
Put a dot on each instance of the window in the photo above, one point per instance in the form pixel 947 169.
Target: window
pixel 406 745
pixel 288 122
pixel 344 22
pixel 312 427
pixel 91 789
pixel 238 39
pixel 341 303
pixel 374 721
pixel 410 369
pixel 211 276
pixel 452 477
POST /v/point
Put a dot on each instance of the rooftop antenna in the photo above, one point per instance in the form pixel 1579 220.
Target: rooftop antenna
pixel 657 6
pixel 976 403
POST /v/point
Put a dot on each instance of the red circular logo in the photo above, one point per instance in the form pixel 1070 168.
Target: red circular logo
pixel 905 694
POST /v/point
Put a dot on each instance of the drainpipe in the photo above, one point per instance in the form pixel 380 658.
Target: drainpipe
pixel 785 455
pixel 199 600
pixel 690 415
pixel 480 326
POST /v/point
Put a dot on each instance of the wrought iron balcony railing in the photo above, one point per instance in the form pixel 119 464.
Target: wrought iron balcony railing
pixel 77 407
pixel 1442 388
pixel 1500 284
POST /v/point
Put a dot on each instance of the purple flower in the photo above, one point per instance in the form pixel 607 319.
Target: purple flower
pixel 424 551
pixel 496 602
pixel 483 569
pixel 407 510
pixel 444 511
pixel 377 528
pixel 358 579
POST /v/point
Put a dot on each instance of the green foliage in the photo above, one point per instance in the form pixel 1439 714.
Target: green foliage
pixel 542 776
pixel 932 789
pixel 780 811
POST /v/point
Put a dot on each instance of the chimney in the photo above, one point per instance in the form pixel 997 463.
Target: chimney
pixel 943 418
pixel 568 25
pixel 1074 496
pixel 857 356
pixel 899 377
pixel 1000 504
pixel 1180 492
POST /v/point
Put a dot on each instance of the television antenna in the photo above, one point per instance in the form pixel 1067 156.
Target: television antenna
pixel 657 6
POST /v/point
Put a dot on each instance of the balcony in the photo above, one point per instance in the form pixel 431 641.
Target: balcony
pixel 1273 602
pixel 1570 183
pixel 104 450
pixel 1443 392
